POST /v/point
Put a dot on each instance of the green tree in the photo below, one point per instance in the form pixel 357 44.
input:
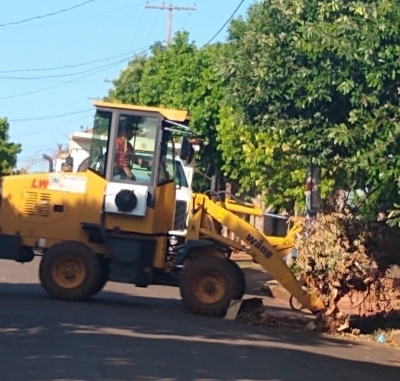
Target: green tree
pixel 8 151
pixel 310 79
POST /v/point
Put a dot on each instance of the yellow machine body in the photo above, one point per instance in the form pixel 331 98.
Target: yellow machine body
pixel 42 216
pixel 39 211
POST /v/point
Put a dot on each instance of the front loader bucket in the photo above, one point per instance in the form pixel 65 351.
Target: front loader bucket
pixel 260 247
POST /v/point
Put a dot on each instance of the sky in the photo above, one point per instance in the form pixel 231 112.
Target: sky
pixel 53 67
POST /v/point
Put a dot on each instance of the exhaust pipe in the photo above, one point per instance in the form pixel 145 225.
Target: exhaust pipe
pixel 50 160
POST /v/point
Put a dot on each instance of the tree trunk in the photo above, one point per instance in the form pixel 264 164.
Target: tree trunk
pixel 259 221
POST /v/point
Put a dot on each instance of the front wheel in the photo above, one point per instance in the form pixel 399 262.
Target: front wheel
pixel 209 284
pixel 70 271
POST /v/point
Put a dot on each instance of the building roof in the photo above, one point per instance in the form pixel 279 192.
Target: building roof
pixel 174 115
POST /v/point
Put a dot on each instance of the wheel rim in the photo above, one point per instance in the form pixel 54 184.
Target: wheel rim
pixel 209 288
pixel 68 272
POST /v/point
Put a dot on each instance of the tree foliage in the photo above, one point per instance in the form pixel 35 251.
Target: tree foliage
pixel 310 79
pixel 8 151
pixel 296 81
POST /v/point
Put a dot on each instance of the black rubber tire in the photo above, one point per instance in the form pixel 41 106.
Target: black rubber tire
pixel 83 167
pixel 105 276
pixel 82 253
pixel 241 290
pixel 209 265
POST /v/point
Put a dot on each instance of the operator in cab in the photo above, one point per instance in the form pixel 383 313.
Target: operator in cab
pixel 125 154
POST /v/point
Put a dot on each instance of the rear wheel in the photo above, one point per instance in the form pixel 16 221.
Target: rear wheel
pixel 70 271
pixel 209 284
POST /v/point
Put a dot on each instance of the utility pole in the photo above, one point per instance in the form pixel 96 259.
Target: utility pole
pixel 170 8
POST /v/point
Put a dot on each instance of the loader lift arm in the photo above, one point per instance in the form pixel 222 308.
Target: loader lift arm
pixel 206 217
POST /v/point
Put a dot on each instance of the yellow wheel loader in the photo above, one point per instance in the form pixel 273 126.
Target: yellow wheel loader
pixel 111 222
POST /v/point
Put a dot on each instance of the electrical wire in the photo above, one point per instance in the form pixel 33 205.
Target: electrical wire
pixel 51 128
pixel 61 84
pixel 59 81
pixel 226 23
pixel 48 116
pixel 187 18
pixel 71 66
pixel 137 28
pixel 66 82
pixel 154 25
pixel 48 14
pixel 57 75
pixel 79 18
pixel 36 149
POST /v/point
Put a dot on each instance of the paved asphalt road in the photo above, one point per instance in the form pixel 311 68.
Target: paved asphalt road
pixel 127 333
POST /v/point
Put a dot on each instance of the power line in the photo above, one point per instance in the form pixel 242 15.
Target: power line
pixel 226 23
pixel 37 149
pixel 59 81
pixel 62 83
pixel 71 66
pixel 48 14
pixel 78 18
pixel 48 116
pixel 137 29
pixel 66 82
pixel 57 75
pixel 187 18
pixel 51 128
pixel 154 25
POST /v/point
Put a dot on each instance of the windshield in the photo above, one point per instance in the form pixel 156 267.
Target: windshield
pixel 180 173
pixel 135 147
pixel 98 148
pixel 128 165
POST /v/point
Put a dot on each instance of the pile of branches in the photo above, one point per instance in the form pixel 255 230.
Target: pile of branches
pixel 341 256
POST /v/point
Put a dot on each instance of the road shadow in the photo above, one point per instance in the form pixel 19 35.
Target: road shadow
pixel 120 337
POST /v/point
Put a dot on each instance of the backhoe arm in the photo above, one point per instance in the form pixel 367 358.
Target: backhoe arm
pixel 283 245
pixel 260 248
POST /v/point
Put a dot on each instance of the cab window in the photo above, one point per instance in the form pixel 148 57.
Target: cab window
pixel 98 147
pixel 135 147
pixel 180 177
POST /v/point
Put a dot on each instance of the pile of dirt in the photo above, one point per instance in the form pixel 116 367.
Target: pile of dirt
pixel 253 312
pixel 342 256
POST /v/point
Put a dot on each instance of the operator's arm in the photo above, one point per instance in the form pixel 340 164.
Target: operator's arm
pixel 124 165
pixel 123 160
pixel 127 172
pixel 139 160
